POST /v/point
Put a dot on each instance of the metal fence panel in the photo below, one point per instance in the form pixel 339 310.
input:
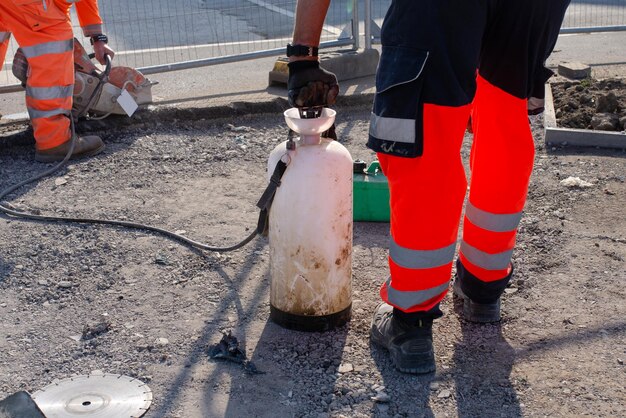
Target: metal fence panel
pixel 581 16
pixel 150 33
pixel 595 14
pixel 154 33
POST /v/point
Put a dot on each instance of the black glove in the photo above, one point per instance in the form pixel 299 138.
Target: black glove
pixel 311 86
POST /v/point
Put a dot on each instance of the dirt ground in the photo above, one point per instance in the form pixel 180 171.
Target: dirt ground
pixel 559 350
pixel 591 104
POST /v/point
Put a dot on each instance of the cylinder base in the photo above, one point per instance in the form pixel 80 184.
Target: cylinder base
pixel 310 323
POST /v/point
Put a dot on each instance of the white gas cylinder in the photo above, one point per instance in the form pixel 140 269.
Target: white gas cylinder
pixel 310 229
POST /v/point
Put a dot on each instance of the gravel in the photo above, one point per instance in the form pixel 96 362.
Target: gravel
pixel 80 298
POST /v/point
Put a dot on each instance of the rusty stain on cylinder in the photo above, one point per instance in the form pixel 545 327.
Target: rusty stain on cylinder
pixel 308 286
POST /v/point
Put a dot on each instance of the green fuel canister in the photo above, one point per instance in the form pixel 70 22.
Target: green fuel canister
pixel 371 193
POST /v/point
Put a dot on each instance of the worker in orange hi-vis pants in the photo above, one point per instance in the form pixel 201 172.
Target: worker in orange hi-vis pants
pixel 42 29
pixel 441 62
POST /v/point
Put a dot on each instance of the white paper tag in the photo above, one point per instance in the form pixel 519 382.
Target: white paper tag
pixel 127 102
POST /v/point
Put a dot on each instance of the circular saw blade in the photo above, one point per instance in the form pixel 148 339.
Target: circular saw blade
pixel 94 396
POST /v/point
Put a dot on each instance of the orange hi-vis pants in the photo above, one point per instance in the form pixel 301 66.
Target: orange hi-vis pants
pixel 441 62
pixel 427 195
pixel 45 36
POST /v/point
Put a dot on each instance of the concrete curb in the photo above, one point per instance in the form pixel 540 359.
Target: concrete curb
pixel 346 65
pixel 574 70
pixel 576 137
pixel 172 114
pixel 153 114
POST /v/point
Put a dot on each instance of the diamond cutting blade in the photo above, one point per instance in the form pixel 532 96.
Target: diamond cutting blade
pixel 94 396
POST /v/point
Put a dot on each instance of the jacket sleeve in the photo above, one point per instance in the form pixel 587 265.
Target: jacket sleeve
pixel 89 17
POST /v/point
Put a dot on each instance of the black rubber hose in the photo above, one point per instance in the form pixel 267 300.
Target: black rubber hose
pixel 124 224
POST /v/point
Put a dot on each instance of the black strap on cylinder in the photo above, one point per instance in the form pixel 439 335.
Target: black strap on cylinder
pixel 330 133
pixel 265 202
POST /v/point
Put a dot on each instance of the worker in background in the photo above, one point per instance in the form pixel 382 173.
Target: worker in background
pixel 441 62
pixel 43 30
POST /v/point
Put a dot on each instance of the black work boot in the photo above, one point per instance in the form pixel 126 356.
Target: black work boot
pixel 474 311
pixel 410 344
pixel 481 300
pixel 86 146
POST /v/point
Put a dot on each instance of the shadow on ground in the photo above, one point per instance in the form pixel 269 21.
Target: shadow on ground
pixel 5 270
pixel 483 360
pixel 211 333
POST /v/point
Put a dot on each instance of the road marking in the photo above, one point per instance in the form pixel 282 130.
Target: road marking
pixel 16 117
pixel 271 7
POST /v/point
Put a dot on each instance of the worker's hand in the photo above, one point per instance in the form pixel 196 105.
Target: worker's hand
pixel 101 49
pixel 310 86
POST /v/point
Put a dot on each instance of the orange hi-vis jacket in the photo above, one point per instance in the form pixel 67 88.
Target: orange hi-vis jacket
pixel 88 14
pixel 87 11
pixel 43 30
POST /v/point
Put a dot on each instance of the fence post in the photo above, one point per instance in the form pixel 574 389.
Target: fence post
pixel 368 24
pixel 355 23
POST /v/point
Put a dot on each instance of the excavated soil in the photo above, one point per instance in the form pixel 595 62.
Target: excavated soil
pixel 80 298
pixel 591 104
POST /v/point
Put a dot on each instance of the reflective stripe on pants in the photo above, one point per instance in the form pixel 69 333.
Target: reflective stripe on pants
pixel 49 51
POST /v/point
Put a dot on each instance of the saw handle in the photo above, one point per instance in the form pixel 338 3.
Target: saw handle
pixel 107 69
